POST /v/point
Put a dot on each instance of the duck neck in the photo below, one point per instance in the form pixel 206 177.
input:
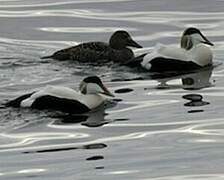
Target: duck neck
pixel 114 44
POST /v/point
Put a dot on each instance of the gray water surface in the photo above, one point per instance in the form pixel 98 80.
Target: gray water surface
pixel 152 133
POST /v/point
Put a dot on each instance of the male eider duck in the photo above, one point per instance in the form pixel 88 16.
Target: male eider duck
pixel 99 52
pixel 91 95
pixel 194 53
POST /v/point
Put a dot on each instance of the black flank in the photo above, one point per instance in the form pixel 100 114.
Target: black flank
pixel 60 104
pixel 161 64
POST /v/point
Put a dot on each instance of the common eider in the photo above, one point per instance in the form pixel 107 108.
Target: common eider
pixel 99 52
pixel 194 53
pixel 92 93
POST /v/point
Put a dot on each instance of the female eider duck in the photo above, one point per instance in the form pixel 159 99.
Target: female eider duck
pixel 92 94
pixel 194 53
pixel 99 52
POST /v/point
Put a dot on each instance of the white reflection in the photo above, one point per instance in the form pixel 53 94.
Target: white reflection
pixel 33 43
pixel 83 29
pixel 191 129
pixel 56 3
pixel 189 177
pixel 24 171
pixel 143 104
pixel 122 172
pixel 9 0
pixel 23 139
pixel 205 140
pixel 206 128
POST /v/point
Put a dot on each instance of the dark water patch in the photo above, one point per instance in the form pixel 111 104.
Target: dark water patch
pixel 196 103
pixel 69 119
pixel 95 146
pixel 51 150
pixel 93 124
pixel 193 97
pixel 122 119
pixel 99 167
pixel 89 146
pixel 94 158
pixel 195 111
pixel 195 100
pixel 123 90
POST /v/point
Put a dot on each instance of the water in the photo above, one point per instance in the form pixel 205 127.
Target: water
pixel 152 132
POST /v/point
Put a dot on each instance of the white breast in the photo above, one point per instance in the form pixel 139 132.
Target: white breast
pixel 201 54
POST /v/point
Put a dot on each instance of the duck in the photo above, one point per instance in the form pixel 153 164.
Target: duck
pixel 194 53
pixel 92 94
pixel 100 52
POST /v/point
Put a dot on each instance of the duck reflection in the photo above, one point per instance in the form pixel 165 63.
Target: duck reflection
pixel 190 81
pixel 197 80
pixel 92 119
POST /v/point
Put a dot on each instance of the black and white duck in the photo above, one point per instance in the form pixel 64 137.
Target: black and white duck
pixel 194 53
pixel 92 93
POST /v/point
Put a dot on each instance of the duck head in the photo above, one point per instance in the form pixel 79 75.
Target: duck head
pixel 193 36
pixel 93 85
pixel 122 39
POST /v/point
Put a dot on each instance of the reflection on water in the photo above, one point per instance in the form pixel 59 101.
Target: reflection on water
pixel 94 119
pixel 24 3
pixel 94 158
pixel 23 173
pixel 190 80
pixel 89 146
pixel 84 29
pixel 198 80
pixel 192 177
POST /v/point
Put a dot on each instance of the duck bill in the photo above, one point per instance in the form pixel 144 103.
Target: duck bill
pixel 106 91
pixel 206 41
pixel 132 43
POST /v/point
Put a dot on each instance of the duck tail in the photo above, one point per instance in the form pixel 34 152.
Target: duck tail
pixel 16 102
pixel 136 61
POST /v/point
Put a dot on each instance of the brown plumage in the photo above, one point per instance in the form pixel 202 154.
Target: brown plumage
pixel 99 52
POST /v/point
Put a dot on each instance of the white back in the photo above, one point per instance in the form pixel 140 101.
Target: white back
pixel 90 100
pixel 200 53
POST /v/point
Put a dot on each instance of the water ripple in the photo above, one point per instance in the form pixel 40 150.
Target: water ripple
pixel 33 4
pixel 27 139
pixel 83 29
pixel 135 16
pixel 22 172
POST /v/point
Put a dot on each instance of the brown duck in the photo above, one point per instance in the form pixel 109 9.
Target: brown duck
pixel 99 52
